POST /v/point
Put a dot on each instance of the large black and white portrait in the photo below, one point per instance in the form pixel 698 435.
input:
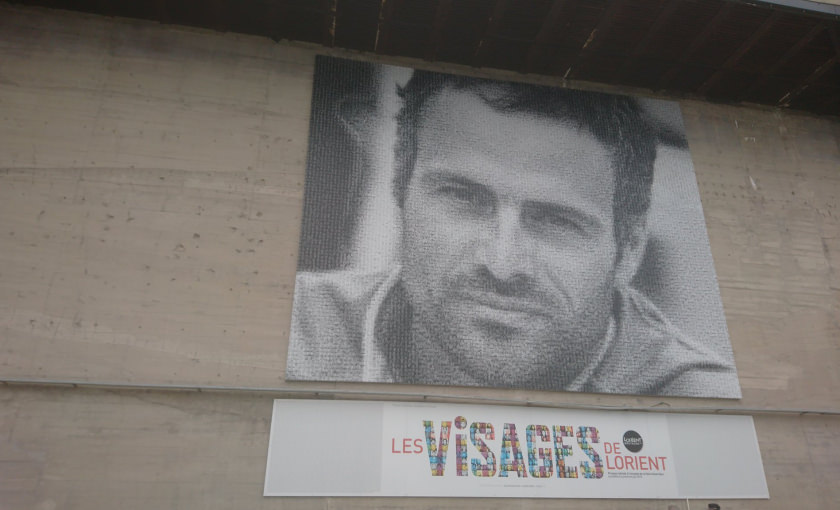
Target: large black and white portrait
pixel 471 232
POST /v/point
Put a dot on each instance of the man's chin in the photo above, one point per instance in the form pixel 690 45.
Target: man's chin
pixel 493 353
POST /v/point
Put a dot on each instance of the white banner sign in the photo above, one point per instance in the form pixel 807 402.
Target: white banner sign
pixel 335 448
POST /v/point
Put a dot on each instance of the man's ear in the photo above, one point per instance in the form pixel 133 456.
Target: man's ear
pixel 631 253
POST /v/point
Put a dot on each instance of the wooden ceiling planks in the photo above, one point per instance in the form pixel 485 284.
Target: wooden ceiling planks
pixel 721 50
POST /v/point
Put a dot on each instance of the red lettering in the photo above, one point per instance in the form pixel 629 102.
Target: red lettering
pixel 407 444
pixel 612 448
pixel 642 463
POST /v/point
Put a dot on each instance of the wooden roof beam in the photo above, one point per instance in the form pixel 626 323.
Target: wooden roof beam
pixel 818 72
pixel 594 41
pixel 162 11
pixel 493 24
pixel 742 50
pixel 549 26
pixel 329 23
pixel 785 58
pixel 278 15
pixel 104 7
pixel 219 21
pixel 444 7
pixel 804 84
pixel 661 19
pixel 383 25
pixel 695 45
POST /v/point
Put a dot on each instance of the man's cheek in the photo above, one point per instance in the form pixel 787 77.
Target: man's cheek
pixel 451 244
pixel 576 288
pixel 579 262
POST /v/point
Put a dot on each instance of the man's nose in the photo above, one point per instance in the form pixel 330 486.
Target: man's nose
pixel 504 249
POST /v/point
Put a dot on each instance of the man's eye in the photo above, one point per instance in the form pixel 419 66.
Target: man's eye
pixel 546 218
pixel 460 193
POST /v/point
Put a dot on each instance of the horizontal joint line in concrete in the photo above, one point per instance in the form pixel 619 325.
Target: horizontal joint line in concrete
pixel 354 394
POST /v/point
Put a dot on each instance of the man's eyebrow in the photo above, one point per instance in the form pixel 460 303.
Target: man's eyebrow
pixel 583 218
pixel 441 177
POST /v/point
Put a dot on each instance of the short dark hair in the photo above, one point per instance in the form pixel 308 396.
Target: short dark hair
pixel 616 121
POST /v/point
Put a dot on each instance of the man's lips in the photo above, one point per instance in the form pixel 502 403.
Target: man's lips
pixel 502 303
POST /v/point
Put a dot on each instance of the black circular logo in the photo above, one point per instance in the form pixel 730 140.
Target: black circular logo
pixel 633 441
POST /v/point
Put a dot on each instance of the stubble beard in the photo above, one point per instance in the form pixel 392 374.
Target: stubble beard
pixel 454 350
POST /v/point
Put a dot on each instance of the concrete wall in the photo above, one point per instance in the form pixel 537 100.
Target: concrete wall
pixel 150 198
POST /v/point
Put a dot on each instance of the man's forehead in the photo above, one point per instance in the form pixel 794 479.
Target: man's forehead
pixel 446 104
pixel 518 100
pixel 516 155
pixel 471 114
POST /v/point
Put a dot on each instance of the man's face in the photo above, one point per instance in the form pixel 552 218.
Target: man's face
pixel 508 252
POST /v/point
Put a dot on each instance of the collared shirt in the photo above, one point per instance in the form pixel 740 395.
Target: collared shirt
pixel 336 317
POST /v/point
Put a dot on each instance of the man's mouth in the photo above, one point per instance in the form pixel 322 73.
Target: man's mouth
pixel 504 304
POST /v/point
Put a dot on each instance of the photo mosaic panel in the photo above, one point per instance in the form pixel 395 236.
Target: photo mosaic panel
pixel 462 231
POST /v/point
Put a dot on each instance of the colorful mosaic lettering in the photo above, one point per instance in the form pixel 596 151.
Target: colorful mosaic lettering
pixel 511 460
pixel 437 457
pixel 586 436
pixel 462 465
pixel 541 454
pixel 562 450
pixel 487 430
